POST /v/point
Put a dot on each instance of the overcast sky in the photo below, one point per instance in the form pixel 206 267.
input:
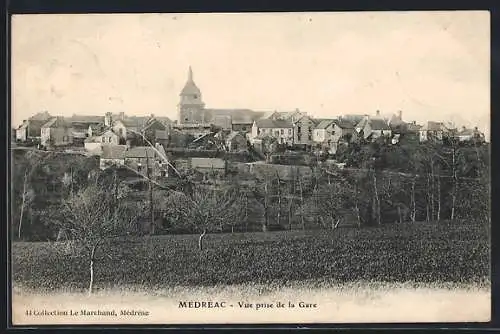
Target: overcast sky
pixel 430 65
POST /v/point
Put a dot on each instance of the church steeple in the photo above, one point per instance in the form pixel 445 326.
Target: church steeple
pixel 191 104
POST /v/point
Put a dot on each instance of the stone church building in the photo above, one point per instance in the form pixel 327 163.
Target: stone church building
pixel 192 111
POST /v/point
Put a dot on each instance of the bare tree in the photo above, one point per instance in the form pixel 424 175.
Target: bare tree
pixel 207 209
pixel 90 217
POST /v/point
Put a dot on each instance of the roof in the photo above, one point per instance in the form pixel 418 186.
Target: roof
pixel 232 135
pixel 215 163
pixel 144 151
pixel 238 116
pixel 379 124
pixel 141 152
pixel 86 119
pixel 164 120
pixel 56 122
pixel 271 123
pixel 324 123
pixel 467 132
pixel 135 121
pixel 41 116
pixel 113 151
pixel 353 118
pixel 433 126
pixel 412 127
pixel 344 123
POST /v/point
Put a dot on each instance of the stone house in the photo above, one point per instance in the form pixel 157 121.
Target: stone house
pixel 56 132
pixel 435 131
pixel 280 129
pixel 32 127
pixel 303 129
pixel 374 127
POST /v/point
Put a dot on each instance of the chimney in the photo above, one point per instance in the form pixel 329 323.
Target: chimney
pixel 122 115
pixel 400 115
pixel 414 122
pixel 107 119
pixel 377 113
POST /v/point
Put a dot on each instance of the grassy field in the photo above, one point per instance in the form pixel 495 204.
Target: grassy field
pixel 420 253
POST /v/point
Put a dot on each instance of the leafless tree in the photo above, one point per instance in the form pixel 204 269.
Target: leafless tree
pixel 207 209
pixel 90 217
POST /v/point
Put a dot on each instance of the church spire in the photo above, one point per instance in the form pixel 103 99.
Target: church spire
pixel 190 74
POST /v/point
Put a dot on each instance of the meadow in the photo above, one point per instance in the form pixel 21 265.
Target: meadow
pixel 411 253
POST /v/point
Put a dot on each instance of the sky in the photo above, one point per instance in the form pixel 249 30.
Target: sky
pixel 429 65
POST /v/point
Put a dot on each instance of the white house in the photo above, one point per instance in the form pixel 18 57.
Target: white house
pixel 280 129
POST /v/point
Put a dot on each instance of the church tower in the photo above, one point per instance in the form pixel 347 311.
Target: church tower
pixel 191 106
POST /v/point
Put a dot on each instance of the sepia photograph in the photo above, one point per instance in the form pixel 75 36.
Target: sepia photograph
pixel 250 168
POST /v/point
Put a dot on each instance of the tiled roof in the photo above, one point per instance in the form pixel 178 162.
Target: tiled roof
pixel 379 124
pixel 113 151
pixel 270 123
pixel 353 118
pixel 141 152
pixel 324 124
pixel 56 122
pixel 41 116
pixel 136 122
pixel 433 126
pixel 238 116
pixel 215 163
pixel 86 119
pixel 344 124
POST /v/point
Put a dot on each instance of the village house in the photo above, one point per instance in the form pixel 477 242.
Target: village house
pixel 374 127
pixel 282 130
pixel 32 127
pixel 329 133
pixel 56 132
pixel 146 160
pixel 303 131
pixel 236 141
pixel 323 131
pixel 112 155
pixel 467 135
pixel 435 131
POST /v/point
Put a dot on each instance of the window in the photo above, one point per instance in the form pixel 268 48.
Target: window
pixel 244 128
pixel 289 131
pixel 282 131
pixel 195 96
pixel 309 137
pixel 298 129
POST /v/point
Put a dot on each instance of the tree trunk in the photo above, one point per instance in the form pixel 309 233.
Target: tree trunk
pixel 428 198
pixel 377 199
pixel 23 202
pixel 455 185
pixel 301 205
pixel 399 214
pixel 433 200
pixel 200 240
pixel 232 228
pixel 438 217
pixel 92 260
pixel 266 209
pixel 413 203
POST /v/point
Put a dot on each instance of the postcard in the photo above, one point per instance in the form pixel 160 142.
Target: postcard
pixel 250 168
